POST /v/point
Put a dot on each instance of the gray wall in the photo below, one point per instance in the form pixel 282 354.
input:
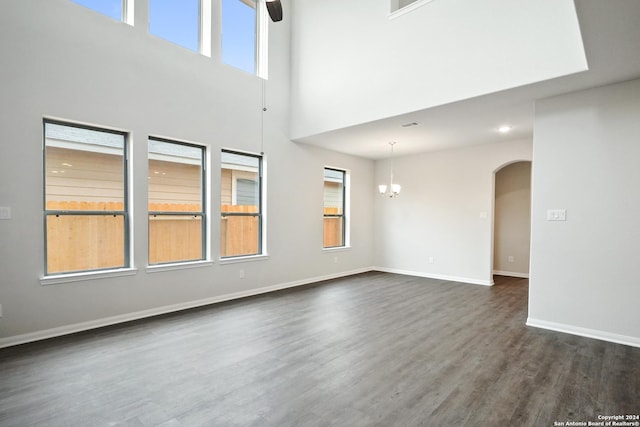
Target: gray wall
pixel 439 53
pixel 440 225
pixel 64 61
pixel 584 271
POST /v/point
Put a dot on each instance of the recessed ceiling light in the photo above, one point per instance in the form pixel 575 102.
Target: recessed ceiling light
pixel 504 129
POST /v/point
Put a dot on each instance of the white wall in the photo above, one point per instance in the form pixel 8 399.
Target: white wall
pixel 351 64
pixel 62 60
pixel 584 271
pixel 512 220
pixel 444 211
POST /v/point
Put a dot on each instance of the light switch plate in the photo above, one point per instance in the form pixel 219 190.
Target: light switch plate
pixel 5 212
pixel 557 215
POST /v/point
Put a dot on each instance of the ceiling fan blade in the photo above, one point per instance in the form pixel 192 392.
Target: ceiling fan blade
pixel 274 8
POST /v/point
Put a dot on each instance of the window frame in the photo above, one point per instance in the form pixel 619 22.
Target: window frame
pixel 203 205
pixel 125 213
pixel 261 203
pixel 345 206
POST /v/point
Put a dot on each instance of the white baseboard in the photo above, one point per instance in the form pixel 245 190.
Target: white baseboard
pixel 511 274
pixel 584 332
pixel 108 321
pixel 436 276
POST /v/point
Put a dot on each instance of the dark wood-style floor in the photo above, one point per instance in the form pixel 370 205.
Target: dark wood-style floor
pixel 374 349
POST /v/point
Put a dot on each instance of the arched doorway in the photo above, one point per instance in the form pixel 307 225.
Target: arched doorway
pixel 512 220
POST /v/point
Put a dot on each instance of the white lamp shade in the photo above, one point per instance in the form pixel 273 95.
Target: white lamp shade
pixel 395 188
pixel 382 188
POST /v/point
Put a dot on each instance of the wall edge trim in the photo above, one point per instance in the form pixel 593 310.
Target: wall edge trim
pixel 584 332
pixel 447 278
pixel 142 314
pixel 511 274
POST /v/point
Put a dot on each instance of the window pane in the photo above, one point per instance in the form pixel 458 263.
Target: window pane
pixel 333 192
pixel 175 177
pixel 176 20
pixel 111 8
pixel 84 169
pixel 239 34
pixel 175 185
pixel 175 238
pixel 240 205
pixel 333 232
pixel 239 235
pixel 240 182
pixel 85 242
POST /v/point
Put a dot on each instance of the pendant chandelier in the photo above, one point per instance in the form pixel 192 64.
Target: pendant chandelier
pixel 392 190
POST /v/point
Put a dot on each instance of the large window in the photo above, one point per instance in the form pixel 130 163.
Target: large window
pixel 176 200
pixel 334 208
pixel 240 205
pixel 239 34
pixel 177 21
pixel 85 199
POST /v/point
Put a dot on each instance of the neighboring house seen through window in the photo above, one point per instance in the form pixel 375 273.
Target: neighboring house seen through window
pixel 240 205
pixel 176 202
pixel 85 203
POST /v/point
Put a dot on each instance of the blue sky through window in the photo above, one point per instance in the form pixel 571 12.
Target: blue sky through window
pixel 111 8
pixel 176 20
pixel 239 35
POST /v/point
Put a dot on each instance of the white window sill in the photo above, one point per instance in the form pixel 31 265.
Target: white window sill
pixel 178 266
pixel 86 275
pixel 409 8
pixel 337 249
pixel 235 260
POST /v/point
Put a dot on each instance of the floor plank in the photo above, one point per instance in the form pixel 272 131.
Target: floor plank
pixel 375 349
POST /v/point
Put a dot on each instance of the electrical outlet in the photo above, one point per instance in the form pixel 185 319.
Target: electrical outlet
pixel 5 212
pixel 510 258
pixel 0 310
pixel 431 260
pixel 335 259
pixel 242 274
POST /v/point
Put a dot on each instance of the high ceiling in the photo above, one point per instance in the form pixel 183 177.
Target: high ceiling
pixel 611 36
